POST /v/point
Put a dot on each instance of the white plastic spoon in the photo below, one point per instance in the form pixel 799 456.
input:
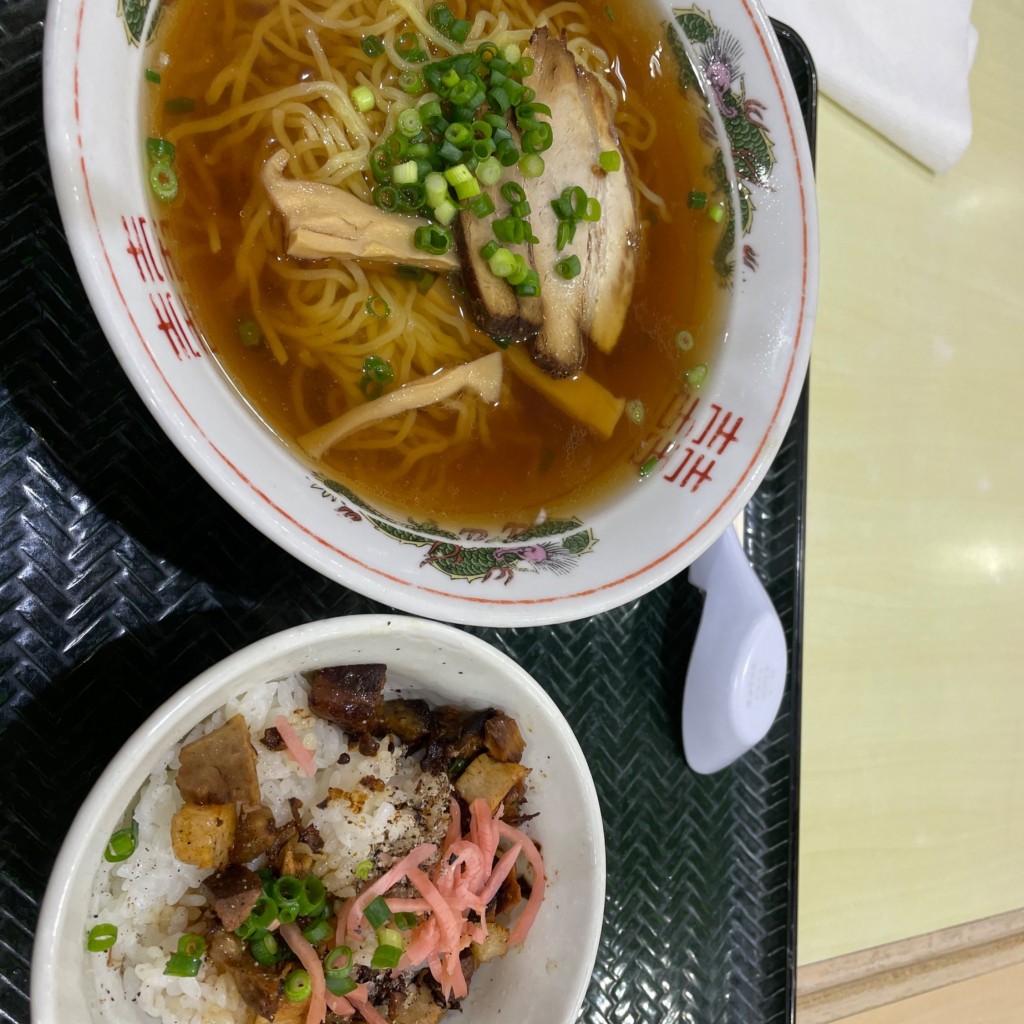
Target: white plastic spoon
pixel 737 669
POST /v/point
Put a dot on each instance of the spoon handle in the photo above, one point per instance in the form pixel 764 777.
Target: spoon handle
pixel 737 671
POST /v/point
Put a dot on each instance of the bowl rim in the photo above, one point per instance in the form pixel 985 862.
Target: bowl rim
pixel 198 698
pixel 419 592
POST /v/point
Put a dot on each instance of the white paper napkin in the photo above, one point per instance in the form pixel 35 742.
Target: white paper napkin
pixel 899 65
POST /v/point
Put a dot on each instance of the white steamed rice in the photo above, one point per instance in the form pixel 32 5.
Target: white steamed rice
pixel 153 898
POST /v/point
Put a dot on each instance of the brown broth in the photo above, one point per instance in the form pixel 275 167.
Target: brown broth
pixel 540 459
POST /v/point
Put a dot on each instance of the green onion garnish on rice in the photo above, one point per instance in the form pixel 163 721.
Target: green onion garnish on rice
pixel 377 912
pixel 101 938
pixel 122 844
pixel 297 987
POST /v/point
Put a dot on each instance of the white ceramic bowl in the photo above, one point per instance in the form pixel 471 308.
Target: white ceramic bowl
pixel 715 448
pixel 547 978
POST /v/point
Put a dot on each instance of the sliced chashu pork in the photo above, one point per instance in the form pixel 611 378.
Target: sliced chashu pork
pixel 592 305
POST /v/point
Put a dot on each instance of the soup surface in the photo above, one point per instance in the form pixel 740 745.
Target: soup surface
pixel 241 79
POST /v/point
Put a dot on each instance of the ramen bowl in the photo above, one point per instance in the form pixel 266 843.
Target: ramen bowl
pixel 692 460
pixel 545 977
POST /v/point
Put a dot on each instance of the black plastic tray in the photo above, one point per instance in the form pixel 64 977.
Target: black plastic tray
pixel 122 575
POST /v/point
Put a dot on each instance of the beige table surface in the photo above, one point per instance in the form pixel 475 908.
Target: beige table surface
pixel 912 777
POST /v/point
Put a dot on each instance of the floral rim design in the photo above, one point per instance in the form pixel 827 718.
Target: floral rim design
pixel 719 55
pixel 471 555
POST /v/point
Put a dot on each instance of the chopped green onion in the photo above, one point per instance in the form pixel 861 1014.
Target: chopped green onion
pixel 340 986
pixel 507 153
pixel 315 933
pixel 459 134
pixel 488 250
pixel 610 160
pixel 482 205
pixel 411 197
pixel 164 182
pixel 263 913
pixel 396 147
pixel 531 165
pixel 406 43
pixel 152 76
pixel 502 263
pixel 430 111
pixel 467 189
pixel 696 375
pixel 405 173
pixel 425 282
pixel 364 867
pixel 717 212
pixel 385 197
pixel 649 466
pixel 407 46
pixel 436 188
pixel 377 912
pixel 313 895
pixel 411 83
pixel 483 148
pixel 297 986
pixel 636 411
pixel 565 233
pixel 380 165
pixel 376 373
pixel 440 16
pixel 449 153
pixel 249 333
pixel 697 200
pixel 444 214
pixel 180 105
pixel 569 267
pixel 537 138
pixel 530 285
pixel 122 844
pixel 372 46
pixel 409 121
pixel 510 229
pixel 593 211
pixel 684 341
pixel 433 239
pixel 336 968
pixel 512 53
pixel 405 921
pixel 488 172
pixel 610 15
pixel 386 957
pixel 181 966
pixel 193 946
pixel 390 946
pixel 458 31
pixel 160 151
pixel 512 192
pixel 286 889
pixel 377 307
pixel 265 949
pixel 339 959
pixel 458 174
pixel 101 938
pixel 363 98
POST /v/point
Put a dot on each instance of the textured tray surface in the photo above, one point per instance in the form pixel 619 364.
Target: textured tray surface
pixel 122 575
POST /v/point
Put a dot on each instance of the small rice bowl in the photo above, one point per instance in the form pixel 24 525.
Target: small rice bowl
pixel 542 979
